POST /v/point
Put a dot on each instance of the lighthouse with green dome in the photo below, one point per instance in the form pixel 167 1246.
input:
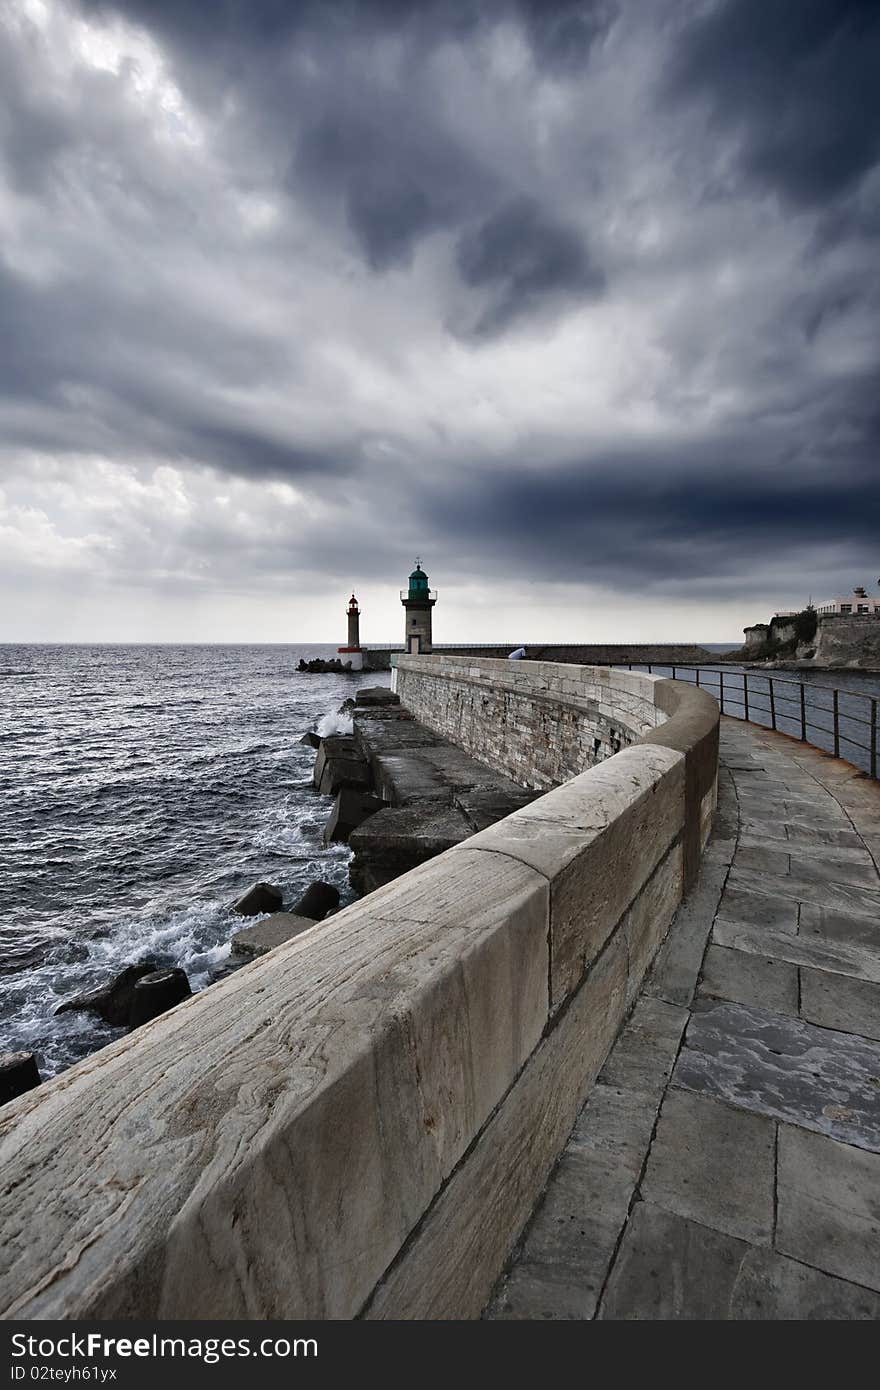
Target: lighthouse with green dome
pixel 418 600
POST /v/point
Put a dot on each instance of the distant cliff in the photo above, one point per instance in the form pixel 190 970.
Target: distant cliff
pixel 809 639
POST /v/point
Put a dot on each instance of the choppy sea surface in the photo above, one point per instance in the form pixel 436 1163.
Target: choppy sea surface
pixel 142 789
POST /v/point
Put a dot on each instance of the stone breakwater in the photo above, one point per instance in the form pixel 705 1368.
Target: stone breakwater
pixel 449 1026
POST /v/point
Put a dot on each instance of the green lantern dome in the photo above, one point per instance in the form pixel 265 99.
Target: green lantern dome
pixel 418 580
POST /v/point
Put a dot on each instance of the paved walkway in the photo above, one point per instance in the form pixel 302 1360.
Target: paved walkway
pixel 727 1163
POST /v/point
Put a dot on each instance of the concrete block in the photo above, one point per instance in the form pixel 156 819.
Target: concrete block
pixel 696 1141
pixel 829 1205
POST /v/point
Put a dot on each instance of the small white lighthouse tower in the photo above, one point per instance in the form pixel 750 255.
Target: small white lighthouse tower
pixel 353 652
pixel 418 600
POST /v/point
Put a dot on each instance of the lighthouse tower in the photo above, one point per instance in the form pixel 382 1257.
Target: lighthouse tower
pixel 353 652
pixel 418 600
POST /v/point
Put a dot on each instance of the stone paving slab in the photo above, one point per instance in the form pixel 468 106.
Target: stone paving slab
pixel 785 1068
pixel 833 1001
pixel 811 951
pixel 698 1138
pixel 829 1205
pixel 671 1268
pixel 747 1184
pixel 748 979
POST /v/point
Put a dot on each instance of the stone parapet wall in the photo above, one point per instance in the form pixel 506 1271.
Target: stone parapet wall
pixel 359 1122
pixel 536 721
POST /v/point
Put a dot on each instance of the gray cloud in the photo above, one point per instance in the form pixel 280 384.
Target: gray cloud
pixel 523 259
pixel 498 280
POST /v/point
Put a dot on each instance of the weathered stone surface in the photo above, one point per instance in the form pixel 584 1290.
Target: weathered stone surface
pixel 262 897
pixel 156 993
pixel 271 932
pixel 829 1205
pixel 112 1002
pixel 785 1068
pixel 350 809
pixel 696 1140
pixel 18 1074
pixel 295 1120
pixel 450 1266
pixel 598 839
pixel 833 1001
pixel 747 979
pixel 670 1268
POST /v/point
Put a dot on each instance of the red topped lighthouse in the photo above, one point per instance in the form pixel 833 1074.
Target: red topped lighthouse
pixel 353 652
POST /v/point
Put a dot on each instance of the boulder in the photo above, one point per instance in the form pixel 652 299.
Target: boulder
pixel 18 1074
pixel 271 932
pixel 112 1002
pixel 376 695
pixel 262 897
pixel 318 899
pixel 157 992
pixel 311 739
pixel 350 809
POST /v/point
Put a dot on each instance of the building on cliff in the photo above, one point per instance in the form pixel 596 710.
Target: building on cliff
pixel 857 604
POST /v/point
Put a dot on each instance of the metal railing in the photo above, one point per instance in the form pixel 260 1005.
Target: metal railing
pixel 418 595
pixel 851 730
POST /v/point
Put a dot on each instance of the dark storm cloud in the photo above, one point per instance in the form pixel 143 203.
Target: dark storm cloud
pixel 795 83
pixel 379 250
pixel 399 179
pixel 648 522
pixel 523 259
pixel 562 32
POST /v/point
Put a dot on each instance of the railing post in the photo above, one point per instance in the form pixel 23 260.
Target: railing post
pixel 721 691
pixel 746 696
pixel 803 713
pixel 836 725
pixel 873 738
pixel 698 675
pixel 772 702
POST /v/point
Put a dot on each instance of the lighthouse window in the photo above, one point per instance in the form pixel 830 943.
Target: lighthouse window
pixel 413 622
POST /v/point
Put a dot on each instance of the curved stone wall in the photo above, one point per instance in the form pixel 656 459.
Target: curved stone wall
pixel 359 1123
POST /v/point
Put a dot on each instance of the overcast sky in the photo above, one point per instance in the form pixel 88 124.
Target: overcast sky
pixel 577 301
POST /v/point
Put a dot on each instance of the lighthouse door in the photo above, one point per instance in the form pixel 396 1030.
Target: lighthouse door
pixel 415 644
